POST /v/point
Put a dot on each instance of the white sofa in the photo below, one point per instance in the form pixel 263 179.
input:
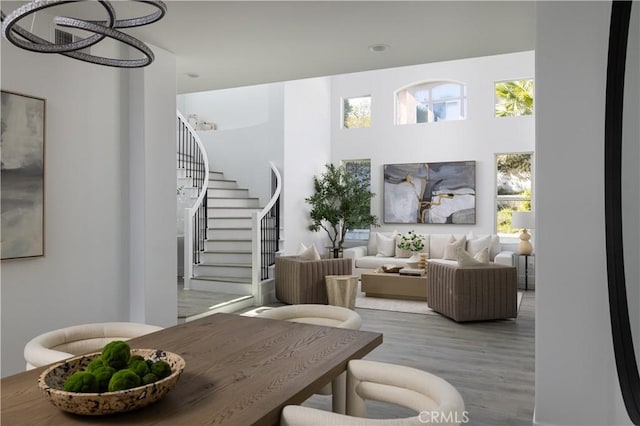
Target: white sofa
pixel 369 258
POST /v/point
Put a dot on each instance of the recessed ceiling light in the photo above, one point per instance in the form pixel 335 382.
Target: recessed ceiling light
pixel 377 48
pixel 193 75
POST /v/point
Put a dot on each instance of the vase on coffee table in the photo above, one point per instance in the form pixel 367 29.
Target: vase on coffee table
pixel 414 260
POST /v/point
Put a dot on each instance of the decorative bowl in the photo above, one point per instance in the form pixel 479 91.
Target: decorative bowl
pixel 51 383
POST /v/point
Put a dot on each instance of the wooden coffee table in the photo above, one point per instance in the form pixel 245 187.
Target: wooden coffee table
pixel 394 286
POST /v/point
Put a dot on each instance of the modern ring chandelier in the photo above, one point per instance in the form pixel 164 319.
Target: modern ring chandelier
pixel 101 29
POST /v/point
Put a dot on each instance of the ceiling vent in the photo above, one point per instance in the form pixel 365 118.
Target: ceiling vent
pixel 64 37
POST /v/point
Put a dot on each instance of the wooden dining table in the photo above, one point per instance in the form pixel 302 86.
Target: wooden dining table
pixel 240 370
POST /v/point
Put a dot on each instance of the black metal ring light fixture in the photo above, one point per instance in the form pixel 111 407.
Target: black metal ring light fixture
pixel 101 29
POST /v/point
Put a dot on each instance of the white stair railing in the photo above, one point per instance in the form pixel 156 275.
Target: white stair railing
pixel 259 220
pixel 195 218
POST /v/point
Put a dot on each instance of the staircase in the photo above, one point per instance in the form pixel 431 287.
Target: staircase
pixel 225 263
pixel 230 242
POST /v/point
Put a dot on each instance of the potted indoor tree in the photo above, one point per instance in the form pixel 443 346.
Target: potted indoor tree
pixel 340 202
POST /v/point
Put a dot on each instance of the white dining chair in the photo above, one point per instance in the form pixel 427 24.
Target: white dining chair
pixel 327 315
pixel 435 401
pixel 58 345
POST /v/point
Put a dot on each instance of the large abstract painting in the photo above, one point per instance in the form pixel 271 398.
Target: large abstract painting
pixel 430 192
pixel 22 131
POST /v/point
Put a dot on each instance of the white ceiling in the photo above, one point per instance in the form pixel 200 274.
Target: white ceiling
pixel 238 43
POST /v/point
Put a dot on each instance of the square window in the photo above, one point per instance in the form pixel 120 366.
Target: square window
pixel 513 98
pixel 356 112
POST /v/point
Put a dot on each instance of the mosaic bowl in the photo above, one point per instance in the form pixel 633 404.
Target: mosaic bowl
pixel 51 383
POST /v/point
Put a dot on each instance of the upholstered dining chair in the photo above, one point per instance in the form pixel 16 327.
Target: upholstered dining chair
pixel 67 342
pixel 327 315
pixel 435 400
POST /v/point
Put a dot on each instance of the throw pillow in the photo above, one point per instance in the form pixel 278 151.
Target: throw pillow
pixel 386 245
pixel 437 244
pixel 477 244
pixel 465 258
pixel 451 249
pixel 372 245
pixel 308 253
pixel 482 256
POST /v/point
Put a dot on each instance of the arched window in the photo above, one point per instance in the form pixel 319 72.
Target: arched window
pixel 431 101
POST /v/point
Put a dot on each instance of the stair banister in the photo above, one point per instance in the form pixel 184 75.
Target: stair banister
pixel 256 237
pixel 190 212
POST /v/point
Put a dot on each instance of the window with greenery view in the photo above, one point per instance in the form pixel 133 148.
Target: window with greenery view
pixel 514 98
pixel 362 170
pixel 356 112
pixel 513 190
pixel 432 101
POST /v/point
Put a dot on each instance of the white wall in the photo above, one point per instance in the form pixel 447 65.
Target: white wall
pixel 306 151
pixel 477 138
pixel 576 381
pixel 250 132
pixel 287 123
pixel 153 264
pixel 84 276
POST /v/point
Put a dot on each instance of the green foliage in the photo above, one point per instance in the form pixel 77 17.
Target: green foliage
pixel 81 381
pixel 103 375
pixel 411 241
pixel 362 170
pixel 138 370
pixel 514 163
pixel 526 206
pixel 139 367
pixel 340 202
pixel 161 369
pixel 116 354
pixel 95 364
pixel 504 221
pixel 357 113
pixel 123 379
pixel 506 210
pixel 149 378
pixel 514 98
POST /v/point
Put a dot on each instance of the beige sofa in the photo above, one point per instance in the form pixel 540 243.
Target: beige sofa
pixel 368 258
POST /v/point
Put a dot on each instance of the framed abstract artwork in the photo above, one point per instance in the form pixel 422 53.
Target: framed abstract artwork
pixel 430 193
pixel 22 135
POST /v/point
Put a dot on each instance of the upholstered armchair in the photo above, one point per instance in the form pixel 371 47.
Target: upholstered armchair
pixel 302 281
pixel 473 293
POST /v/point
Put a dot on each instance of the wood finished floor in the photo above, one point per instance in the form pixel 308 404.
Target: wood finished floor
pixel 491 363
pixel 193 302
